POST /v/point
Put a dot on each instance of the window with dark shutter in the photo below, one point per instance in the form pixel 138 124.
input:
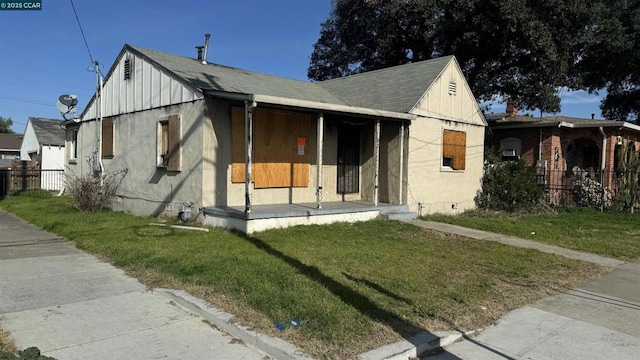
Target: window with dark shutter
pixel 107 138
pixel 169 147
pixel 173 161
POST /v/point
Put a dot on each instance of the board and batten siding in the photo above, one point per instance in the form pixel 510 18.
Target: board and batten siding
pixel 147 88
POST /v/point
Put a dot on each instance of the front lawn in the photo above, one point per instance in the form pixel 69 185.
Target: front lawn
pixel 360 286
pixel 605 233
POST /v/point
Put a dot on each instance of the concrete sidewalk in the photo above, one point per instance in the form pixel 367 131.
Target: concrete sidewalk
pixel 73 306
pixel 599 320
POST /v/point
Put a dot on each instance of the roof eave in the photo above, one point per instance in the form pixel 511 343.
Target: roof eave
pixel 313 105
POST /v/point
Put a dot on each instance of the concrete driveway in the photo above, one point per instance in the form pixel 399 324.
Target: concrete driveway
pixel 73 306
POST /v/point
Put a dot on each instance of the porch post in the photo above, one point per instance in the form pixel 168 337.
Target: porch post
pixel 401 175
pixel 248 142
pixel 320 139
pixel 376 150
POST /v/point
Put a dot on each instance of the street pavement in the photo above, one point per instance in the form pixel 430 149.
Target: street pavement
pixel 73 306
pixel 599 320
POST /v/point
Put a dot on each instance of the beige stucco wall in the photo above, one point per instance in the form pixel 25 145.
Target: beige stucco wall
pixel 147 189
pixel 432 188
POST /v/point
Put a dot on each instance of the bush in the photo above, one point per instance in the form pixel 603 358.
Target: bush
pixel 93 193
pixel 508 186
pixel 32 353
pixel 590 193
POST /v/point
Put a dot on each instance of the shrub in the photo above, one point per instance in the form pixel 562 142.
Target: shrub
pixel 590 193
pixel 93 193
pixel 508 186
pixel 32 353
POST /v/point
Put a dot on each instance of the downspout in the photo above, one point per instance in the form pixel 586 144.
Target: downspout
pixel 249 105
pixel 540 146
pixel 401 175
pixel 100 131
pixel 319 149
pixel 376 150
pixel 602 164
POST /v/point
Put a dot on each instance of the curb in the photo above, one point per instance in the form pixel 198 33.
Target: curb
pixel 282 350
pixel 415 346
pixel 274 347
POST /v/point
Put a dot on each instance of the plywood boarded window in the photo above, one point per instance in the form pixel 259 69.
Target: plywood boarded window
pixel 454 149
pixel 107 138
pixel 280 148
pixel 169 136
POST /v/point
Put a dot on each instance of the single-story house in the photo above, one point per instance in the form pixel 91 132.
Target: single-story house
pixel 251 151
pixel 563 149
pixel 43 144
pixel 9 148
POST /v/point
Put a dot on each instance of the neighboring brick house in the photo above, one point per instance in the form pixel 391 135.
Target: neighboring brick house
pixel 562 148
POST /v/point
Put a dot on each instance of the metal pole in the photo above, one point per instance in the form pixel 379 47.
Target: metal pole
pixel 401 174
pixel 319 149
pixel 248 136
pixel 376 150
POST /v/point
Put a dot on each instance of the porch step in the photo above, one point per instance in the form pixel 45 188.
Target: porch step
pixel 399 216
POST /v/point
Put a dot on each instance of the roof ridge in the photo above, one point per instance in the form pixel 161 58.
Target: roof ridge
pixel 390 68
pixel 138 48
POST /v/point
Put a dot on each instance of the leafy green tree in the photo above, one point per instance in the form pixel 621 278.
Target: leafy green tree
pixel 612 60
pixel 5 125
pixel 518 49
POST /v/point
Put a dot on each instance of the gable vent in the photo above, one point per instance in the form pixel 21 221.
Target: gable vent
pixel 452 88
pixel 127 69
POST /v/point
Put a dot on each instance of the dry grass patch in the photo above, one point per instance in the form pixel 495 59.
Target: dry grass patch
pixel 6 345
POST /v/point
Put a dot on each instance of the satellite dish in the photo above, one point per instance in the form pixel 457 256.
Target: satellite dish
pixel 67 105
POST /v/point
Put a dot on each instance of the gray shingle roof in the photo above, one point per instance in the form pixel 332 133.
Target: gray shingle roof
pixel 48 131
pixel 10 141
pixel 228 79
pixel 395 89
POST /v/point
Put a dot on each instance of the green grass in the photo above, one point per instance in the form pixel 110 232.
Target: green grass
pixel 359 285
pixel 605 233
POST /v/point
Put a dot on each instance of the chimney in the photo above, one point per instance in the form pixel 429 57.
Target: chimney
pixel 199 48
pixel 512 110
pixel 593 116
pixel 206 47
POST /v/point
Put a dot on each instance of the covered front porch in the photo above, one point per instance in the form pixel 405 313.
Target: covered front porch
pixel 274 216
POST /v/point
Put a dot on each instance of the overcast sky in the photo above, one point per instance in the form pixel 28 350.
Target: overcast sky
pixel 43 55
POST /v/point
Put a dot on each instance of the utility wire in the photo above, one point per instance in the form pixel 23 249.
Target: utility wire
pixel 82 32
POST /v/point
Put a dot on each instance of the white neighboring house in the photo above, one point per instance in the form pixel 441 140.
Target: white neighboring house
pixel 43 143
